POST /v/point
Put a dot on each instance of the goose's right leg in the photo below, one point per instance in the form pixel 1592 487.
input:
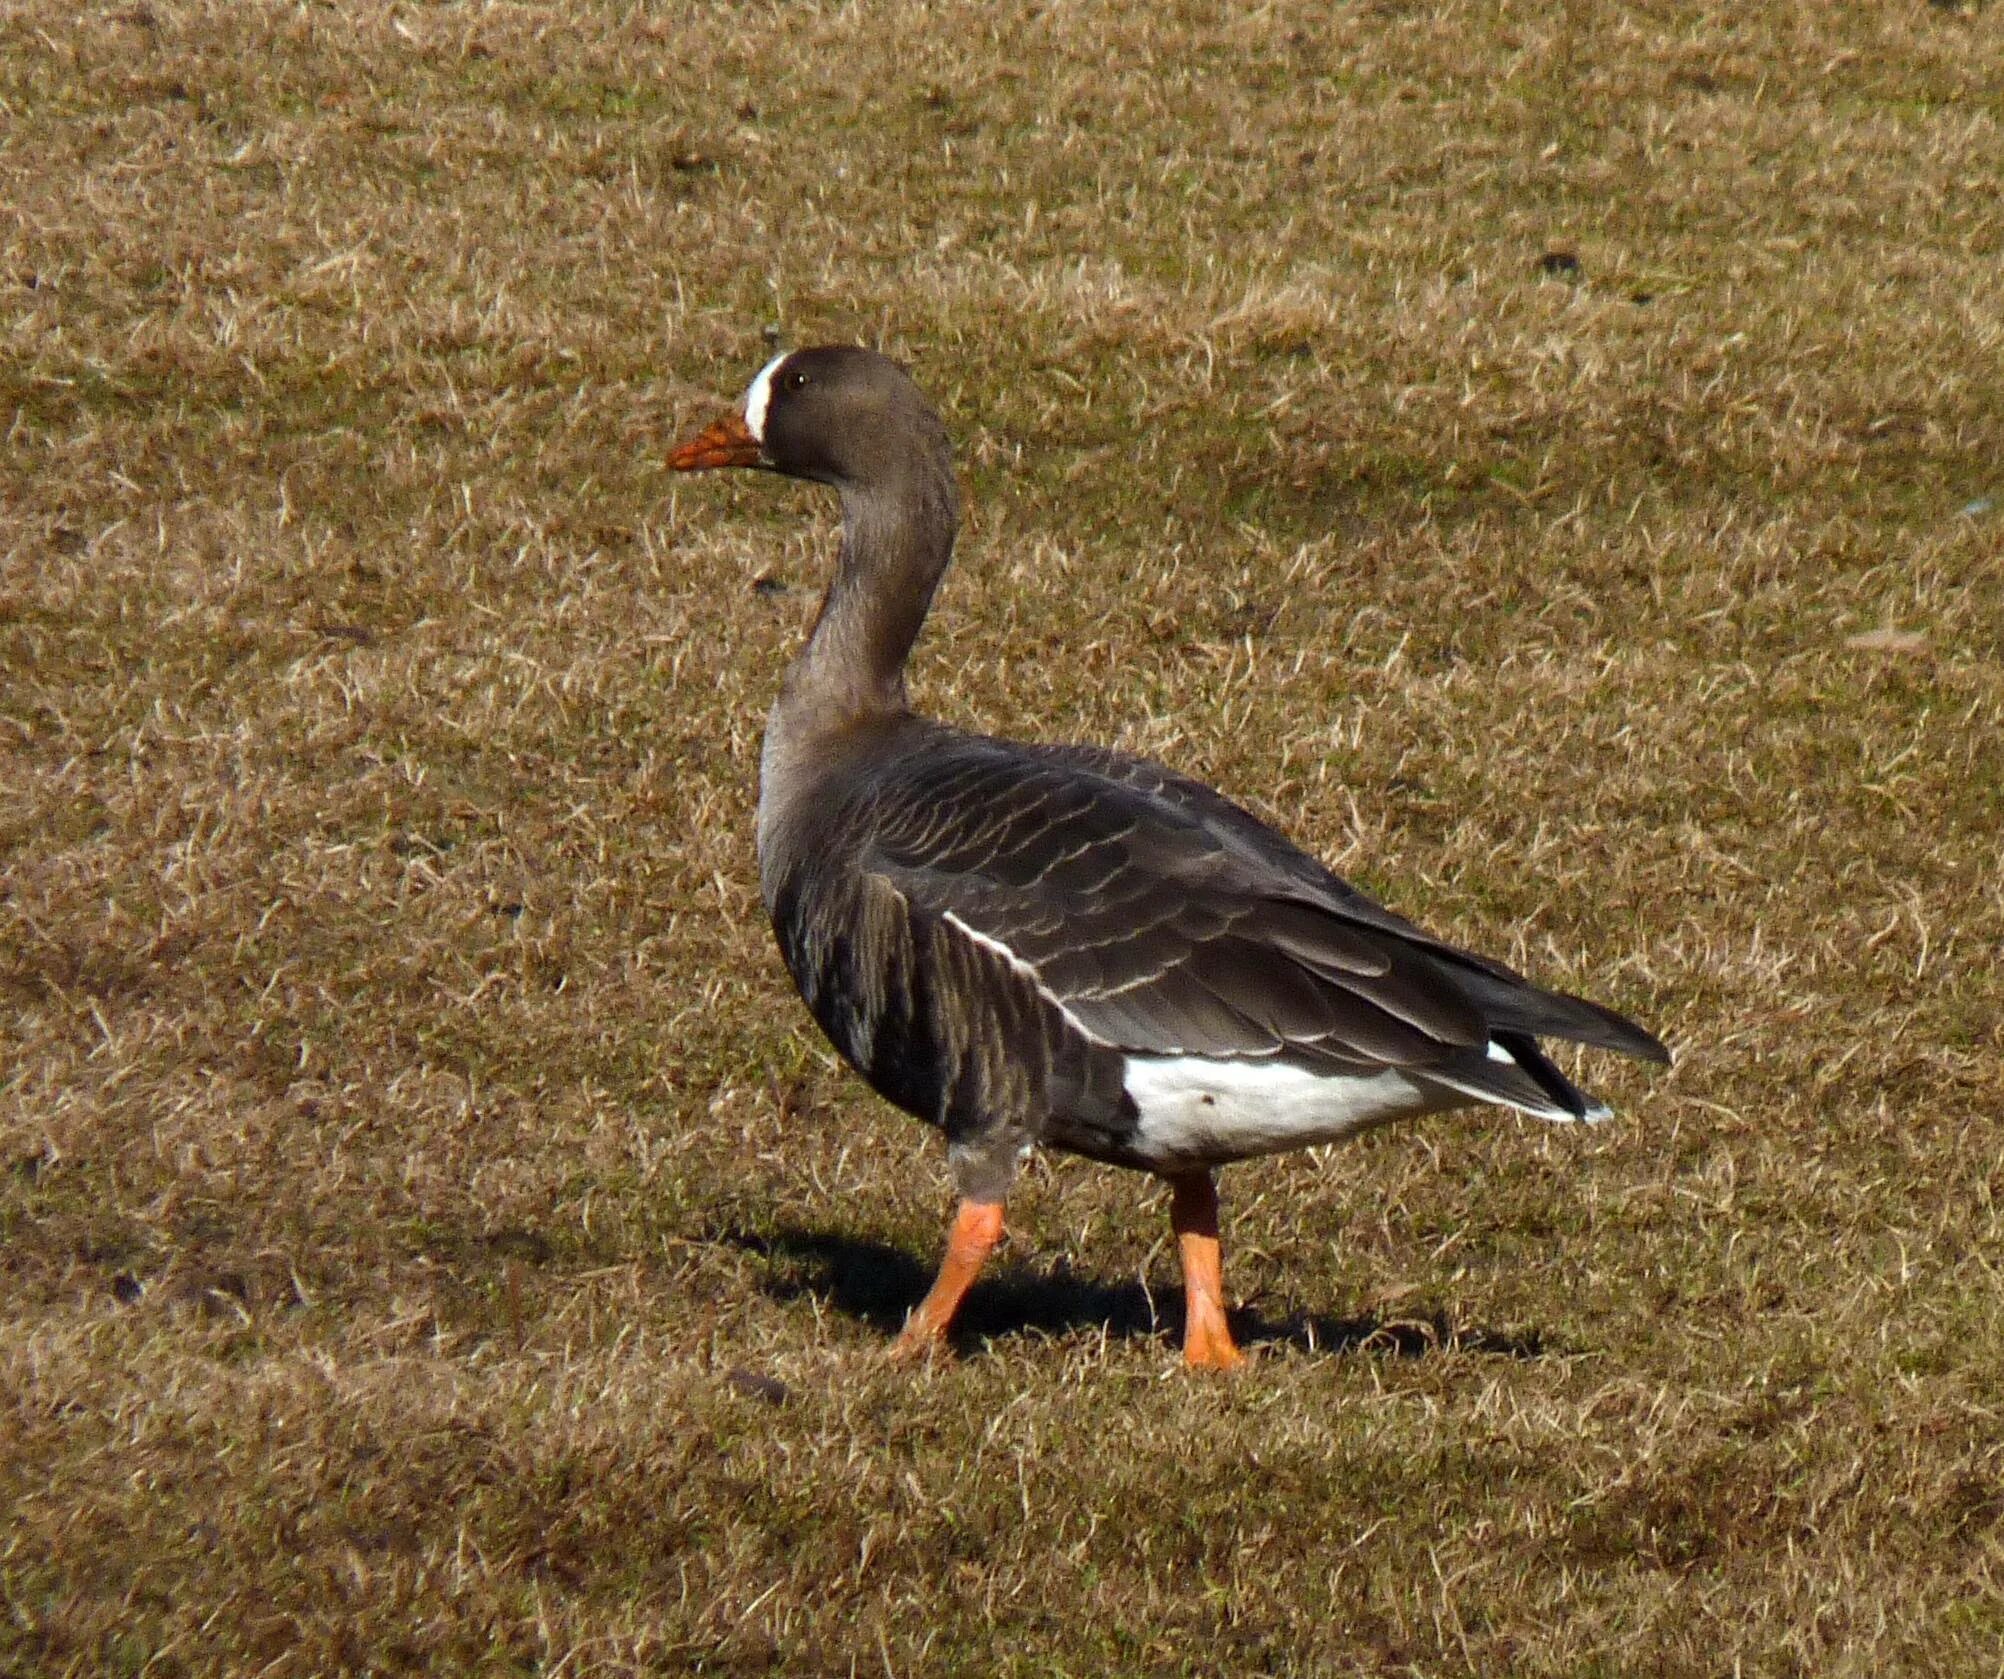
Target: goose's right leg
pixel 977 1227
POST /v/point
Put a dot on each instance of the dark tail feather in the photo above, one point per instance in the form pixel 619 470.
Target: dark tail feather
pixel 1513 1005
pixel 1548 1078
pixel 1510 1069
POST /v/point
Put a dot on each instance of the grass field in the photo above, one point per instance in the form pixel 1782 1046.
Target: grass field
pixel 1548 458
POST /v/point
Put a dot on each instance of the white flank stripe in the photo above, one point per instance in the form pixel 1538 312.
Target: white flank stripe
pixel 759 397
pixel 1023 968
pixel 1196 1111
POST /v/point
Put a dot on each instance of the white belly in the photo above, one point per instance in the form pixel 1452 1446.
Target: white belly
pixel 1199 1112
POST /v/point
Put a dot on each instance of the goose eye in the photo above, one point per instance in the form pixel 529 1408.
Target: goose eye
pixel 796 379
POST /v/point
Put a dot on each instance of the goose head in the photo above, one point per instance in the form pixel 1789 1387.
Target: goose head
pixel 836 414
pixel 852 419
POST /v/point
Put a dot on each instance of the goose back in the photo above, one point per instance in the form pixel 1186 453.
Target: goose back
pixel 1011 936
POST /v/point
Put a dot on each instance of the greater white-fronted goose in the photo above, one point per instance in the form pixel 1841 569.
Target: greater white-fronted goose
pixel 1062 944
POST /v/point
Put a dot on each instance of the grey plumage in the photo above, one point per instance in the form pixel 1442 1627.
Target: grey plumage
pixel 1140 914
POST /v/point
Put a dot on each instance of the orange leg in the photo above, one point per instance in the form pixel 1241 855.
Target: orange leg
pixel 977 1227
pixel 1193 1214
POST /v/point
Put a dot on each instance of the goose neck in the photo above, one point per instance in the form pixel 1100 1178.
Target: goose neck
pixel 896 542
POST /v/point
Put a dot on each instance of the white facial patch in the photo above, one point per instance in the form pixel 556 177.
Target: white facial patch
pixel 759 397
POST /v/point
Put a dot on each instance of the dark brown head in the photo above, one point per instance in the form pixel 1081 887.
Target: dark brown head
pixel 838 414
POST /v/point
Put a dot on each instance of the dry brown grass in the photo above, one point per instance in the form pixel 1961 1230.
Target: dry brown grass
pixel 432 1238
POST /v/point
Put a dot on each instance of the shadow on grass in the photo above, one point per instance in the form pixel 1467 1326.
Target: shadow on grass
pixel 878 1284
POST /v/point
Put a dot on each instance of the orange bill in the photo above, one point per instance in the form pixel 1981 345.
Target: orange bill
pixel 727 443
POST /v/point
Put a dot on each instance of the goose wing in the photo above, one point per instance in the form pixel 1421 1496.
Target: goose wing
pixel 1165 921
pixel 1508 1001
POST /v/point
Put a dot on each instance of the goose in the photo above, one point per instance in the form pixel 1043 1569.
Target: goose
pixel 1067 946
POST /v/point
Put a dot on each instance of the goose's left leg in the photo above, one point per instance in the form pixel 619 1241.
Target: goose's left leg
pixel 1193 1214
pixel 977 1227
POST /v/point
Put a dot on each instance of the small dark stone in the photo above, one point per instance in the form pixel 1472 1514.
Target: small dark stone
pixel 126 1288
pixel 1563 265
pixel 768 585
pixel 756 1386
pixel 1642 297
pixel 221 1296
pixel 522 1244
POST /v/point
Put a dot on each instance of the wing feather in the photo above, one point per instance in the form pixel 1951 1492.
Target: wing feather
pixel 1157 931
